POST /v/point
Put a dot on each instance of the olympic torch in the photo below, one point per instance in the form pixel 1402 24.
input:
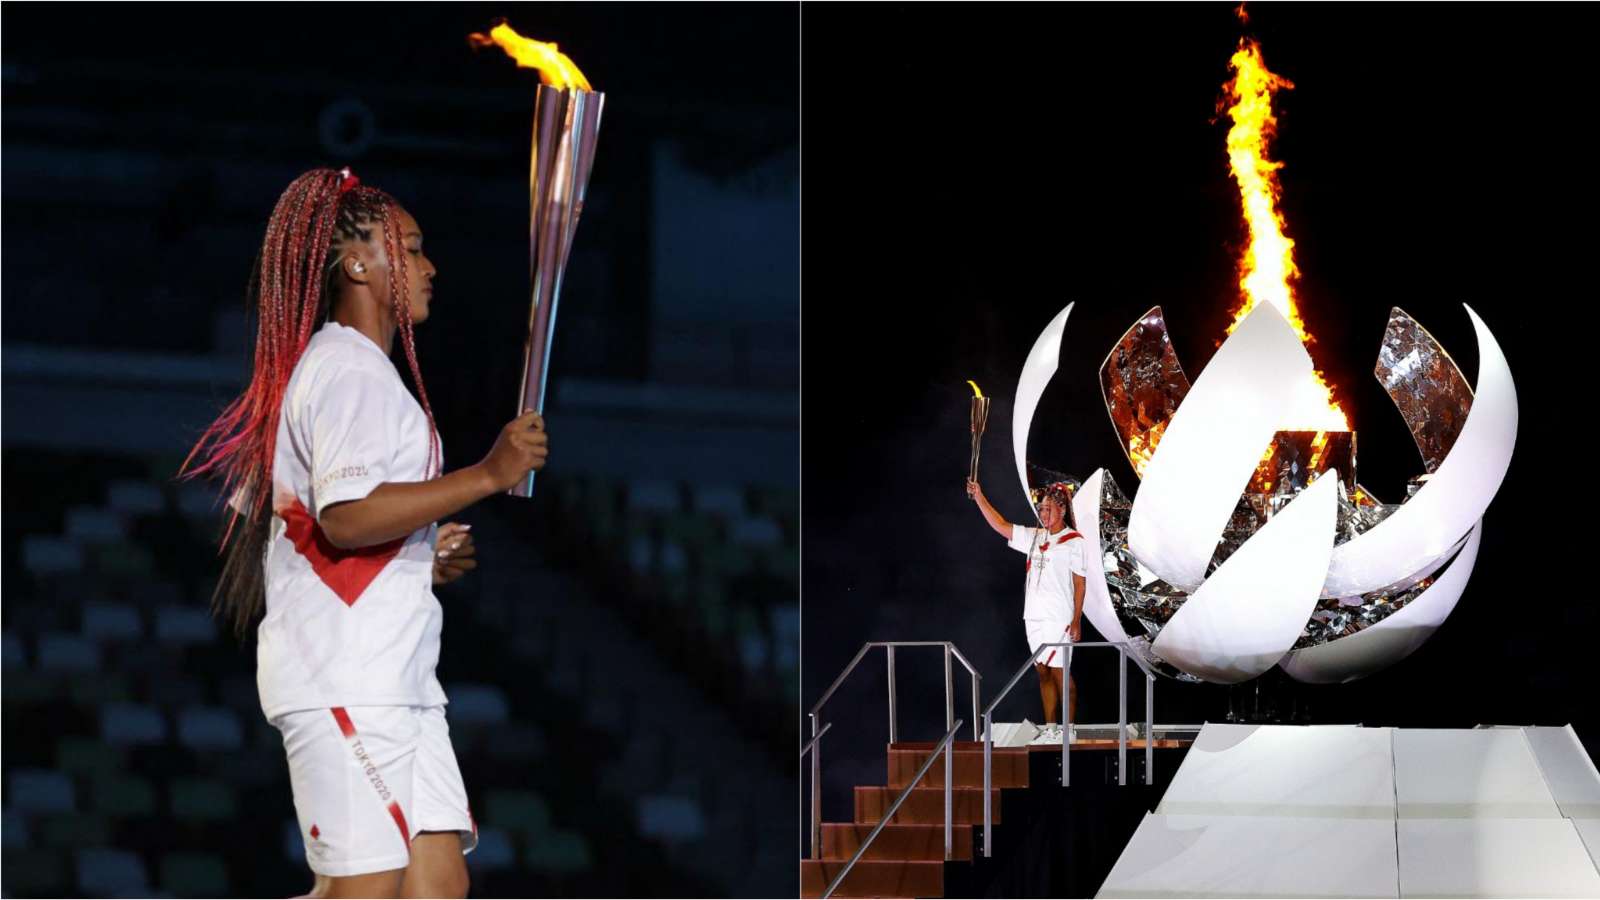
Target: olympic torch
pixel 980 420
pixel 566 125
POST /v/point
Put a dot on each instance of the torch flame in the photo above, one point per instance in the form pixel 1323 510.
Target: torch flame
pixel 555 69
pixel 975 392
pixel 1267 265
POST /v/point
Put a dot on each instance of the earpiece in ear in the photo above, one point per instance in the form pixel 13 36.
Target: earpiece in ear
pixel 358 267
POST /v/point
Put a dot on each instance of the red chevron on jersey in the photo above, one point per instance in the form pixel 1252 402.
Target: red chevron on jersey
pixel 345 572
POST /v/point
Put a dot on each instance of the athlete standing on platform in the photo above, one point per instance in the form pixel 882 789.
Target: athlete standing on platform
pixel 334 471
pixel 1052 609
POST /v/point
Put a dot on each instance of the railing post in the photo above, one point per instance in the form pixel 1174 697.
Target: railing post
pixel 1066 715
pixel 988 769
pixel 816 792
pixel 974 680
pixel 894 729
pixel 1149 730
pixel 949 691
pixel 1122 716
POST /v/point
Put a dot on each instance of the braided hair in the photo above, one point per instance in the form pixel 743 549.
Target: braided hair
pixel 293 283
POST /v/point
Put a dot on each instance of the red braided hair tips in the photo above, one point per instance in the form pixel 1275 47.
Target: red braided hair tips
pixel 288 292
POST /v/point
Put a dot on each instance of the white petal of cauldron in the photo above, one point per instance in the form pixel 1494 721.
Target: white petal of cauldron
pixel 1252 609
pixel 1213 445
pixel 1096 594
pixel 1037 371
pixel 1423 530
pixel 1392 639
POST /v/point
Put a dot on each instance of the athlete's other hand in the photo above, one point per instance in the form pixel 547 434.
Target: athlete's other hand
pixel 973 490
pixel 453 553
pixel 522 447
pixel 1076 631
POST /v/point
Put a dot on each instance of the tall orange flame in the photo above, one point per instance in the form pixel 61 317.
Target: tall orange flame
pixel 555 69
pixel 1267 266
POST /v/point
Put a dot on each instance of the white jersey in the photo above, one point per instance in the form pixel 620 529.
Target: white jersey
pixel 1052 561
pixel 346 627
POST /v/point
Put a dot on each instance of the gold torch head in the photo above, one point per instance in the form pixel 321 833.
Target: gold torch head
pixel 980 409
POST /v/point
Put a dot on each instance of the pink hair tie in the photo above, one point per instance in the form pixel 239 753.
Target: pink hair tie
pixel 349 180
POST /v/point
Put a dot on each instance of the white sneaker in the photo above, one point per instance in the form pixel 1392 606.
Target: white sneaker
pixel 1049 733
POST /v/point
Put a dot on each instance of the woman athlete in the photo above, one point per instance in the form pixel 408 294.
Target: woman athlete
pixel 334 472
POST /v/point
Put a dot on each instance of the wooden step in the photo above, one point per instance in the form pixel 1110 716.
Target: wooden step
pixel 841 840
pixel 873 878
pixel 925 806
pixel 1009 768
pixel 927 746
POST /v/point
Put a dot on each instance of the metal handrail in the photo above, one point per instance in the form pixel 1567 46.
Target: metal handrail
pixel 813 742
pixel 942 747
pixel 965 664
pixel 890 645
pixel 1066 719
pixel 1149 673
pixel 827 694
pixel 950 653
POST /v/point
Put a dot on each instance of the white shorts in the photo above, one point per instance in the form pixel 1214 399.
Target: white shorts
pixel 368 779
pixel 1048 631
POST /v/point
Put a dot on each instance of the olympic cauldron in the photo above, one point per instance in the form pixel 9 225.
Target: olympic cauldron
pixel 1248 546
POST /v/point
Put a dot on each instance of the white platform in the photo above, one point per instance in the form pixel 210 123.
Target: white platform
pixel 1252 856
pixel 1289 811
pixel 1494 857
pixel 1450 773
pixel 1336 771
pixel 1569 771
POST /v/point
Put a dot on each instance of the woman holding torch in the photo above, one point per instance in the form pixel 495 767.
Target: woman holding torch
pixel 1052 609
pixel 335 475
